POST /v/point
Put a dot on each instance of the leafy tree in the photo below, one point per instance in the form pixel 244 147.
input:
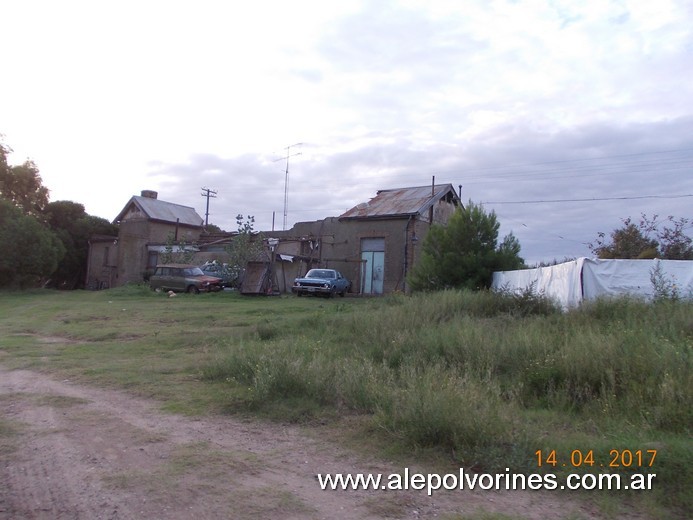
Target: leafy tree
pixel 465 252
pixel 246 246
pixel 626 242
pixel 649 238
pixel 213 228
pixel 31 252
pixel 74 227
pixel 4 152
pixel 674 244
pixel 22 185
pixel 176 252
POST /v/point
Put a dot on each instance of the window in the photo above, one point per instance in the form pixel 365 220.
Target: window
pixel 152 259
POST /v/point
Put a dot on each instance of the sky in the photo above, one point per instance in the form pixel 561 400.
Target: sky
pixel 562 117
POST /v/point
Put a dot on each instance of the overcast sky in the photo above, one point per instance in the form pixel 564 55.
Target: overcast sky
pixel 517 101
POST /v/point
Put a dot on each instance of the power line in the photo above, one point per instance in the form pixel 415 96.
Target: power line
pixel 589 200
pixel 649 163
pixel 505 218
pixel 605 157
pixel 605 172
pixel 644 162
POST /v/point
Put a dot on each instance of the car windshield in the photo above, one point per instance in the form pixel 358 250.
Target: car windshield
pixel 320 273
pixel 193 271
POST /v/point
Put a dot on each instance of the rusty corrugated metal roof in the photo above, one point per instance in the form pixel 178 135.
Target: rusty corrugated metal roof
pixel 156 209
pixel 400 202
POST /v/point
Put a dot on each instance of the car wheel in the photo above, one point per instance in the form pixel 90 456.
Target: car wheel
pixel 299 293
pixel 193 290
pixel 341 294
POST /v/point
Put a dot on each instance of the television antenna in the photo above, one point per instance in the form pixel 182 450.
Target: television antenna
pixel 286 180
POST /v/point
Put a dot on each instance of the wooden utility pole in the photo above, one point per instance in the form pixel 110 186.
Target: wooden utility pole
pixel 206 192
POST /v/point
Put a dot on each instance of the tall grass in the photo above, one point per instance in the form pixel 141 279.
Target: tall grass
pixel 485 378
pixel 633 357
pixel 485 375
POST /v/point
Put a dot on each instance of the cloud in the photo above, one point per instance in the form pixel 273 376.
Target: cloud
pixel 518 167
pixel 515 100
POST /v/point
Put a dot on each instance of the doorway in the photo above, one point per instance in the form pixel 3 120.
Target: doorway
pixel 373 265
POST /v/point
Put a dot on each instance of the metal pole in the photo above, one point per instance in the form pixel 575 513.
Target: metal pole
pixel 286 181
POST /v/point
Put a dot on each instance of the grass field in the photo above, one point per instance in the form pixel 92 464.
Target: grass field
pixel 483 380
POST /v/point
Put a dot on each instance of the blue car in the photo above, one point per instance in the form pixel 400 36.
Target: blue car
pixel 322 282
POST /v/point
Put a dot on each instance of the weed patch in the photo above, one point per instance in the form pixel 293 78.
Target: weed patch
pixel 484 378
pixel 478 375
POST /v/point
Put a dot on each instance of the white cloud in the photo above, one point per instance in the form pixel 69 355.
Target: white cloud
pixel 110 99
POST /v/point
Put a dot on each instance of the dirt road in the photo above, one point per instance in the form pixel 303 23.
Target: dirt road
pixel 85 452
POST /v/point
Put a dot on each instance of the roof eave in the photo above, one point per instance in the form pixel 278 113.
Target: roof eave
pixel 173 222
pixel 125 210
pixel 392 216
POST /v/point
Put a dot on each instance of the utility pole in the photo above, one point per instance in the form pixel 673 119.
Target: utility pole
pixel 206 192
pixel 286 180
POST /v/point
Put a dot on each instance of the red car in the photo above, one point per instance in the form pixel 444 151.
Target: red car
pixel 184 278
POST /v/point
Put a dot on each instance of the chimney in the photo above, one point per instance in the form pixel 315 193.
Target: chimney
pixel 150 194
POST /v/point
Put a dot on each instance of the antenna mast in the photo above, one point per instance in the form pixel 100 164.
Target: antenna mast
pixel 286 181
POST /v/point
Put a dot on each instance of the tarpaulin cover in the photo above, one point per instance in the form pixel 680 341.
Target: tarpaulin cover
pixel 586 279
pixel 560 282
pixel 634 277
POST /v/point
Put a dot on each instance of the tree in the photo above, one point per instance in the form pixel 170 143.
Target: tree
pixel 4 152
pixel 30 251
pixel 674 244
pixel 649 238
pixel 74 227
pixel 247 245
pixel 22 185
pixel 465 252
pixel 626 242
pixel 175 252
pixel 213 228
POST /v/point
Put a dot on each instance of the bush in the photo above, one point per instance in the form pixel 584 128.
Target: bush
pixel 464 253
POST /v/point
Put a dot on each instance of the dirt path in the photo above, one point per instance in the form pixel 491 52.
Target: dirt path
pixel 85 452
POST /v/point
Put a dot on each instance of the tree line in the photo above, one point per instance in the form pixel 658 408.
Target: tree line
pixel 648 237
pixel 42 243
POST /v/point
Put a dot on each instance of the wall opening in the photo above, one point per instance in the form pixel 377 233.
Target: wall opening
pixel 372 265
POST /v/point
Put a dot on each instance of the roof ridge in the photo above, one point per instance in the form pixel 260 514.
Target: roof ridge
pixel 140 197
pixel 415 187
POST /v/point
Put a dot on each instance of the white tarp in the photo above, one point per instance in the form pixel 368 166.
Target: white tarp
pixel 634 277
pixel 560 282
pixel 587 279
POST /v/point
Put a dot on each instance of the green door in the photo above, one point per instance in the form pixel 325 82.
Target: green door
pixel 373 265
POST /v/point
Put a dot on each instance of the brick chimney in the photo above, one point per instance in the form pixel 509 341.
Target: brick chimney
pixel 150 194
